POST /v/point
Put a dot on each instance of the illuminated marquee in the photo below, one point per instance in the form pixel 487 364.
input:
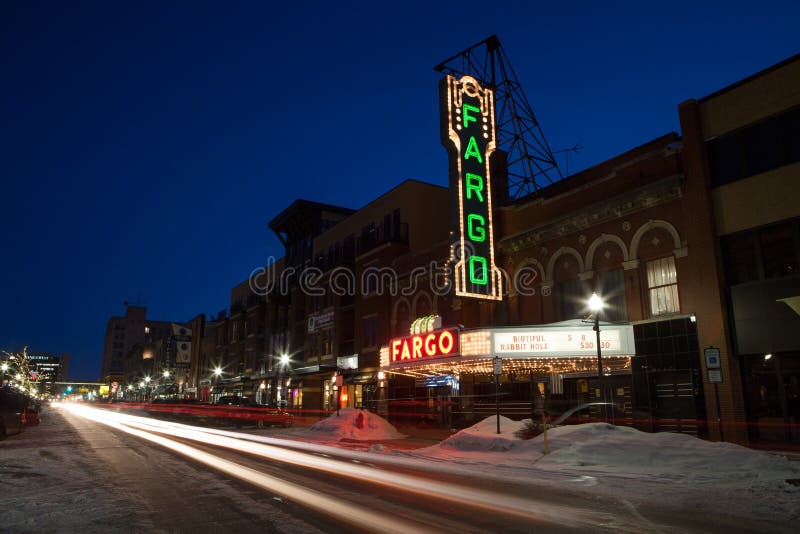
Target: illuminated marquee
pixel 436 344
pixel 468 133
pixel 615 340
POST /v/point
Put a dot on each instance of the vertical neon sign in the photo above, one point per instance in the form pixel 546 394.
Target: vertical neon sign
pixel 468 134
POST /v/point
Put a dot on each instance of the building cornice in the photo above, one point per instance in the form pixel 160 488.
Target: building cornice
pixel 645 197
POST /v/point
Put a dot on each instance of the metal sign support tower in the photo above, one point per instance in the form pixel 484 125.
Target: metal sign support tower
pixel 531 164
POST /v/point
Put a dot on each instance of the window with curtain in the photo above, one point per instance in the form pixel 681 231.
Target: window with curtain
pixel 662 286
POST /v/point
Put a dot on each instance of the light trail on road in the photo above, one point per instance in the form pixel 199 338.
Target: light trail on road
pixel 524 509
pixel 341 510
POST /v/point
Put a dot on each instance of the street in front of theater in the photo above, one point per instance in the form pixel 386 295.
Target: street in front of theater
pixel 91 469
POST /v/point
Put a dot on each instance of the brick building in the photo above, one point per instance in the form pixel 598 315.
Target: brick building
pixel 124 340
pixel 691 239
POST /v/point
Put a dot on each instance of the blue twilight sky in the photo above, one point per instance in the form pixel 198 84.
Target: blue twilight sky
pixel 144 146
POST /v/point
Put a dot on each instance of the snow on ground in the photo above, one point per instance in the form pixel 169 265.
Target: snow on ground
pixel 483 437
pixel 53 483
pixel 669 469
pixel 676 472
pixel 352 424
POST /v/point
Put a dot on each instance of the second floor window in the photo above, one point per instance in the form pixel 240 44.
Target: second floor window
pixel 662 286
pixel 572 299
pixel 235 332
pixel 611 286
pixel 370 331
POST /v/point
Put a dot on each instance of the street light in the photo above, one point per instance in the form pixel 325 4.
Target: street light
pixel 216 374
pixel 596 304
pixel 164 391
pixel 284 361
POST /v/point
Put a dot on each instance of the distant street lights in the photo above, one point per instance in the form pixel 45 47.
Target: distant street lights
pixel 596 304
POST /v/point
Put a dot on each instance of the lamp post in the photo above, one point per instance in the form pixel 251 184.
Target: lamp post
pixel 217 374
pixel 596 304
pixel 166 381
pixel 284 362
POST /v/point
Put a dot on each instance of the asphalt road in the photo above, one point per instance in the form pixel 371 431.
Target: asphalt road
pixel 196 480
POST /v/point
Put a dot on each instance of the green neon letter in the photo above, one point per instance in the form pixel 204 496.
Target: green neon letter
pixel 472 150
pixel 467 117
pixel 474 183
pixel 476 233
pixel 478 280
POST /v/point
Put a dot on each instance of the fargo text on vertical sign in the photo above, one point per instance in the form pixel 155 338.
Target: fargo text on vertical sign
pixel 468 134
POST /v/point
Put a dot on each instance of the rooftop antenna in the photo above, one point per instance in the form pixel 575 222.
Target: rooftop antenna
pixel 531 164
pixel 577 147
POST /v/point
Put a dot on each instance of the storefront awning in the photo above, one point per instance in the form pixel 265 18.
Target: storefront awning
pixel 484 366
pixel 363 378
pixel 311 369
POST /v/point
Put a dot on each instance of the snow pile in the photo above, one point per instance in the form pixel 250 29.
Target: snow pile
pixel 483 436
pixel 604 447
pixel 359 425
pixel 600 448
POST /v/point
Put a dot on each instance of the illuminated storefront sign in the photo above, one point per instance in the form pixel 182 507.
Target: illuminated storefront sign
pixel 468 134
pixel 436 344
pixel 318 321
pixel 614 341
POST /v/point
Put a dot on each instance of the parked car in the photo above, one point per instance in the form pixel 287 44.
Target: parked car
pixel 181 409
pixel 13 406
pixel 232 400
pixel 242 410
pixel 590 412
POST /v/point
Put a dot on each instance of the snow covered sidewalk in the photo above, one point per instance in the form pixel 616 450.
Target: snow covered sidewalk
pixel 53 483
pixel 669 470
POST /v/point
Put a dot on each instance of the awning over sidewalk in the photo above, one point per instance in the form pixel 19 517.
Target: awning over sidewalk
pixel 565 347
pixel 362 378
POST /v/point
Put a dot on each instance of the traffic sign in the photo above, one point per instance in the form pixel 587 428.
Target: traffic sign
pixel 498 365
